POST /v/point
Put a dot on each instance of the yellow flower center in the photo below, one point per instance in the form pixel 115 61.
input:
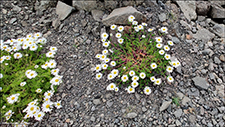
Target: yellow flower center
pixel 169 69
pixel 29 36
pixel 52 64
pixel 49 94
pixel 97 68
pixel 131 89
pixel 13 98
pixel 32 108
pixel 142 75
pixel 112 86
pixel 125 78
pixel 58 104
pixel 157 81
pixel 33 46
pixel 167 56
pixel 159 39
pixel 153 65
pixel 170 78
pixel 47 106
pixel 37 34
pixel 147 90
pixel 164 29
pixel 31 74
pixel 56 80
pixel 99 76
pixel 39 115
pixel 110 76
pixel 50 53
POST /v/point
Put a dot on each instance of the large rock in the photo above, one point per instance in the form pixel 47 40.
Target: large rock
pixel 188 8
pixel 219 29
pixel 97 15
pixel 87 5
pixel 63 10
pixel 165 105
pixel 202 7
pixel 204 35
pixel 120 16
pixel 217 11
pixel 42 5
pixel 200 82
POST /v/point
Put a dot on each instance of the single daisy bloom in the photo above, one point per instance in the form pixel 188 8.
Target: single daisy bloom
pixel 153 78
pixel 120 40
pixel 178 63
pixel 169 69
pixel 134 23
pixel 98 56
pixel 106 60
pixel 164 29
pixel 110 76
pixel 167 56
pixel 170 43
pixel 170 79
pixel 39 116
pixel 8 49
pixel 143 36
pixel 116 89
pixel 135 78
pixel 158 39
pixel 36 66
pixel 150 29
pixel 25 45
pixel 118 35
pixel 174 64
pixel 53 49
pixel 131 18
pixel 27 116
pixel 98 76
pixel 37 34
pixel 115 72
pixel 120 28
pixel 98 68
pixel 33 47
pixel 147 90
pixel 113 63
pixel 104 35
pixel 130 89
pixel 105 44
pixel 9 113
pixel 161 52
pixel 2 59
pixel 28 72
pixel 113 27
pixel 158 81
pixel 45 66
pixel 46 106
pixel 56 80
pixel 105 52
pixel 136 29
pixel 38 90
pixel 23 83
pixel 153 65
pixel 131 73
pixel 140 27
pixel 142 75
pixel 58 104
pixel 124 78
pixel 13 98
pixel 52 63
pixel 30 35
pixel 48 94
pixel 50 54
pixel 1 75
pixel 103 57
pixel 104 66
pixel 32 74
pixel 144 24
pixel 159 46
pixel 166 48
pixel 134 84
pixel 17 55
pixel 111 86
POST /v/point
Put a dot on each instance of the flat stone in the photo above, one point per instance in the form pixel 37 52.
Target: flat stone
pixel 92 118
pixel 162 17
pixel 97 101
pixel 97 15
pixel 222 58
pixel 120 16
pixel 63 10
pixel 202 111
pixel 185 100
pixel 180 95
pixel 217 11
pixel 219 29
pixel 178 123
pixel 109 103
pixel 204 35
pixel 211 76
pixel 165 105
pixel 192 118
pixel 86 5
pixel 175 40
pixel 178 113
pixel 188 8
pixel 217 60
pixel 200 82
pixel 12 20
pixel 144 109
pixel 202 7
pixel 131 115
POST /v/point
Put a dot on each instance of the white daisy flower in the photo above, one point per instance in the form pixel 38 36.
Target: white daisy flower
pixel 131 18
pixel 140 27
pixel 23 83
pixel 25 45
pixel 161 52
pixel 104 66
pixel 58 104
pixel 4 47
pixel 174 64
pixel 134 84
pixel 105 52
pixel 147 90
pixel 169 69
pixel 17 55
pixel 46 106
pixel 111 86
pixel 8 49
pixel 52 63
pixel 110 76
pixel 103 40
pixel 38 90
pixel 9 113
pixel 46 99
pixel 116 89
pixel 143 36
pixel 166 48
pixel 28 72
pixel 150 29
pixel 120 40
pixel 104 35
pixel 118 35
pixel 39 116
pixel 135 78
pixel 170 79
pixel 153 78
pixel 113 27
pixel 142 75
pixel 131 73
pixel 103 57
pixel 36 66
pixel 50 54
pixel 30 35
pixel 124 78
pixel 170 43
pixel 106 60
pixel 136 29
pixel 56 80
pixel 45 66
pixel 134 23
pixel 1 75
pixel 159 46
pixel 120 28
pixel 164 29
pixel 37 34
pixel 158 81
pixel 13 98
pixel 144 24
pixel 115 72
pixel 48 94
pixel 16 48
pixel 105 44
pixel 98 56
pixel 32 74
pixel 2 59
pixel 130 89
pixel 98 76
pixel 98 68
pixel 153 65
pixel 27 116
pixel 158 39
pixel 44 41
pixel 167 56
pixel 55 71
pixel 113 63
pixel 53 49
pixel 178 63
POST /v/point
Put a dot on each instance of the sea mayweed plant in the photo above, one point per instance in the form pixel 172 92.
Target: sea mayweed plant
pixel 28 79
pixel 137 56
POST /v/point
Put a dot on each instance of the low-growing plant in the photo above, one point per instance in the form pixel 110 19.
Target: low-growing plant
pixel 28 79
pixel 176 101
pixel 136 56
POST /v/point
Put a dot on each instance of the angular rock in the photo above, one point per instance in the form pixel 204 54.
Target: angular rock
pixel 200 82
pixel 97 15
pixel 222 58
pixel 131 115
pixel 175 40
pixel 178 113
pixel 178 123
pixel 97 101
pixel 219 29
pixel 110 4
pixel 120 16
pixel 185 100
pixel 204 35
pixel 87 5
pixel 12 20
pixel 63 10
pixel 165 105
pixel 192 118
pixel 202 7
pixel 162 17
pixel 217 60
pixel 217 11
pixel 188 8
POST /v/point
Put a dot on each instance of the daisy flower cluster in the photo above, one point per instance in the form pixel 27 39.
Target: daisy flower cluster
pixel 136 56
pixel 28 79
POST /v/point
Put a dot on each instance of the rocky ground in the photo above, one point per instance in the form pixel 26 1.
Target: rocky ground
pixel 199 83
